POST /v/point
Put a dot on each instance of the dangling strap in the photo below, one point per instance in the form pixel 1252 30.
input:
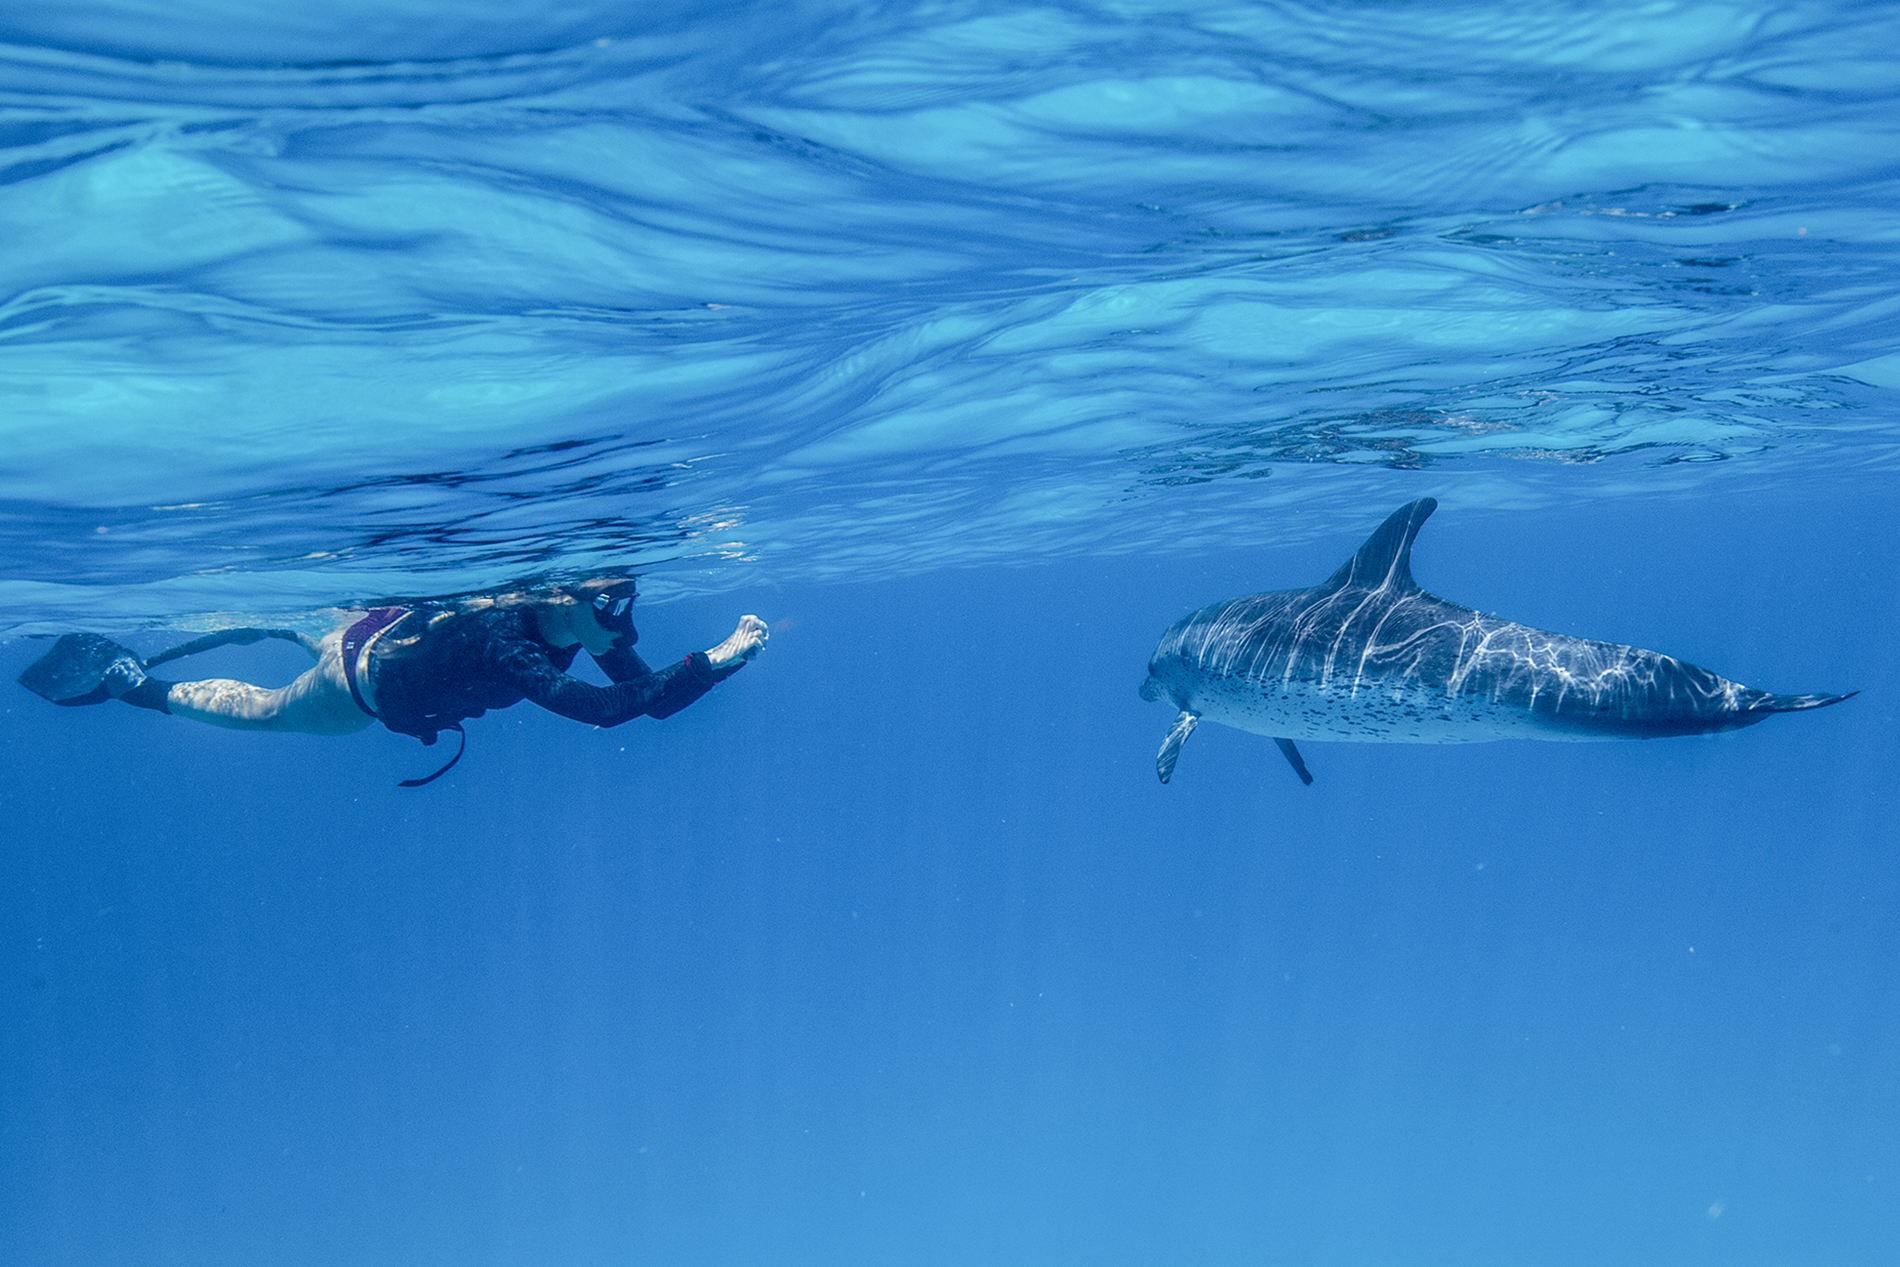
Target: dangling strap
pixel 360 635
pixel 459 750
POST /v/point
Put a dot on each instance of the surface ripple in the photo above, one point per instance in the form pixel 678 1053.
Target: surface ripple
pixel 744 292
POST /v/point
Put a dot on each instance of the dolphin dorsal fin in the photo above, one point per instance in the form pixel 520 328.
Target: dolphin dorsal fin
pixel 1385 560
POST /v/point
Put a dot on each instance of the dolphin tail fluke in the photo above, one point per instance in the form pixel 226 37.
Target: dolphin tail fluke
pixel 1292 753
pixel 1794 703
pixel 1171 746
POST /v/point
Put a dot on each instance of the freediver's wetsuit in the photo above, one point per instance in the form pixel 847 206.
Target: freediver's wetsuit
pixel 434 668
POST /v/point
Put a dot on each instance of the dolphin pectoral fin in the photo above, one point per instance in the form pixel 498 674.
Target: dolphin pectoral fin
pixel 1293 759
pixel 1171 746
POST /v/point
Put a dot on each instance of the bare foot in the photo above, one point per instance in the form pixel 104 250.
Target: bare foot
pixel 745 643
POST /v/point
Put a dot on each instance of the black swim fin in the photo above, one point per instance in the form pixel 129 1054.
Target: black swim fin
pixel 74 672
pixel 235 637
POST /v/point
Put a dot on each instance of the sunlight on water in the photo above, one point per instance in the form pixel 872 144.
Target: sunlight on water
pixel 805 294
pixel 970 345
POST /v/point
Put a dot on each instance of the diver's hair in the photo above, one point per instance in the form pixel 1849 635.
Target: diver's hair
pixel 495 600
pixel 527 592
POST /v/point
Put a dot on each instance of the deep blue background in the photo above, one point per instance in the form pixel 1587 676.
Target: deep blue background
pixel 971 344
pixel 893 949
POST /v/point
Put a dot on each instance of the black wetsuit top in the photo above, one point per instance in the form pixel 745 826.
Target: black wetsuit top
pixel 435 669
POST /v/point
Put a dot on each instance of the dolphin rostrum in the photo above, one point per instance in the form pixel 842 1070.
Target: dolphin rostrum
pixel 1369 657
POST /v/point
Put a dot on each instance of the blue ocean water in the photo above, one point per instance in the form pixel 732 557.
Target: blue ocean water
pixel 970 345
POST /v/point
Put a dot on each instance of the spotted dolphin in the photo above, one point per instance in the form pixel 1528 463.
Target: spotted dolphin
pixel 1369 657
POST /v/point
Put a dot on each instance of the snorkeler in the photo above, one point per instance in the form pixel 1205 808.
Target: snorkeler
pixel 419 669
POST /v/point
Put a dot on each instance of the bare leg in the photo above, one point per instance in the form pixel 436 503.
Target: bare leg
pixel 317 703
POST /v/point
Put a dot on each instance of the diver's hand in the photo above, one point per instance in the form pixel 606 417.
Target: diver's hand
pixel 746 642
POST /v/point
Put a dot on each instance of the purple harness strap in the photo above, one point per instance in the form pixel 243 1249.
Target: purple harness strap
pixel 356 637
